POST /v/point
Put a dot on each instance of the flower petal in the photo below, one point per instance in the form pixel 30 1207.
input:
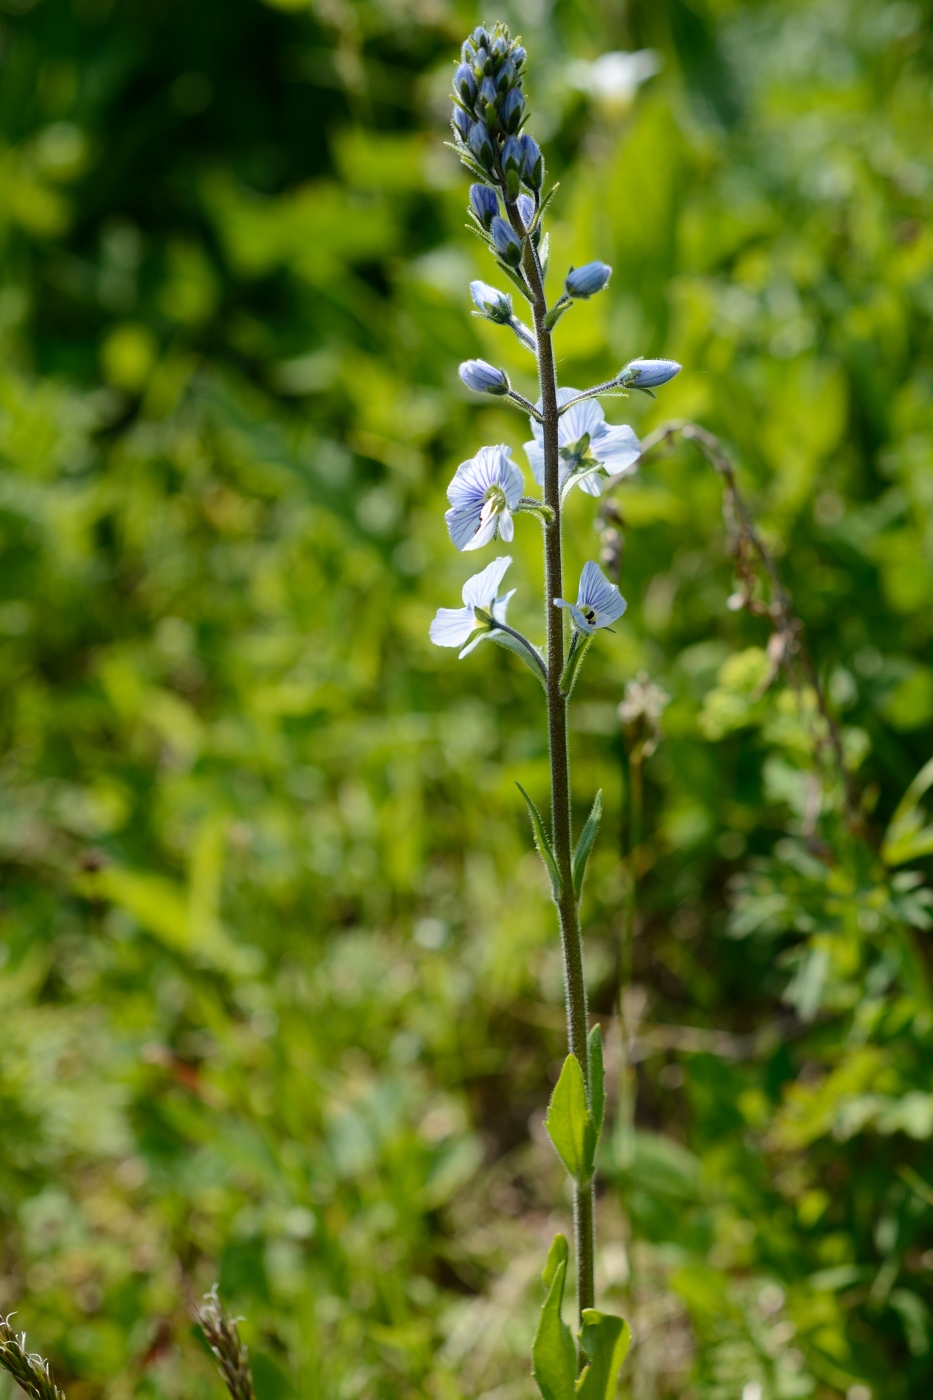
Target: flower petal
pixel 452 626
pixel 480 591
pixel 535 454
pixel 600 596
pixel 485 533
pixel 462 523
pixel 579 620
pixel 617 447
pixel 586 417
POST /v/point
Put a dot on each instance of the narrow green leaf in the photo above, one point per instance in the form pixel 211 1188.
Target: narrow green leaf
pixel 594 1056
pixel 578 649
pixel 517 278
pixel 570 1124
pixel 555 313
pixel 542 843
pixel 553 1355
pixel 604 1341
pixel 906 837
pixel 544 253
pixel 558 1254
pixel 585 844
pixel 505 639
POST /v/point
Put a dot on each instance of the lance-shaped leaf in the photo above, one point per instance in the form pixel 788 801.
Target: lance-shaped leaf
pixel 553 1354
pixel 909 836
pixel 525 649
pixel 585 844
pixel 578 649
pixel 594 1057
pixel 604 1341
pixel 570 1124
pixel 542 843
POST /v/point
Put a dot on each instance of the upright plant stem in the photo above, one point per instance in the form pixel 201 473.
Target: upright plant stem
pixel 561 836
pixel 626 1124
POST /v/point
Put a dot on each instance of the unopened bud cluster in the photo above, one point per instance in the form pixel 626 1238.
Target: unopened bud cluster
pixel 489 112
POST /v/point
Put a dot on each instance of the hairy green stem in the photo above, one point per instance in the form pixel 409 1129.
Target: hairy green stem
pixel 561 833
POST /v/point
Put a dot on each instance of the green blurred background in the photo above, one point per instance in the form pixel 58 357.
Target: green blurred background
pixel 280 984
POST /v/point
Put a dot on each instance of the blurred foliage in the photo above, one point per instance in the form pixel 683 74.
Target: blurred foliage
pixel 280 984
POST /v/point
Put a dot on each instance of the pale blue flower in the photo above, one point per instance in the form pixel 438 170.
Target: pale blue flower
pixel 482 495
pixel 648 374
pixel 454 626
pixel 590 448
pixel 491 303
pixel 587 280
pixel 483 378
pixel 599 602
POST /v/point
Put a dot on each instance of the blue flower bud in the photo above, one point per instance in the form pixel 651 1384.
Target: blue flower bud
pixel 500 46
pixel 465 84
pixel 586 281
pixel 648 374
pixel 467 52
pixel 484 378
pixel 512 109
pixel 462 123
pixel 533 170
pixel 513 157
pixel 480 37
pixel 506 241
pixel 494 305
pixel 518 56
pixel 526 209
pixel 481 62
pixel 487 93
pixel 484 204
pixel 506 76
pixel 481 146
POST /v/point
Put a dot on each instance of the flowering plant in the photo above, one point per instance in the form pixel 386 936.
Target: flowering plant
pixel 571 444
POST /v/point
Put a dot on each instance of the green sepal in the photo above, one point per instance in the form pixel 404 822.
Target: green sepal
pixel 513 184
pixel 555 313
pixel 570 1124
pixel 594 1059
pixel 544 253
pixel 553 1354
pixel 604 1341
pixel 505 639
pixel 543 844
pixel 578 649
pixel 587 836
